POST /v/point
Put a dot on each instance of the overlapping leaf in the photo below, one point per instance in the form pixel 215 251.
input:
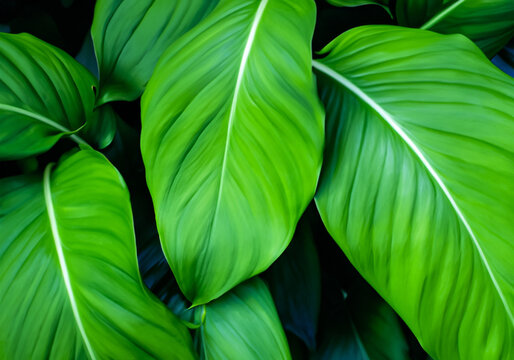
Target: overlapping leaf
pixel 69 282
pixel 417 185
pixel 243 324
pixel 352 3
pixel 44 95
pixel 130 36
pixel 489 23
pixel 232 139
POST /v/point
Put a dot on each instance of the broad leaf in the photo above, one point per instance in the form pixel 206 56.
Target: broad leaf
pixel 69 282
pixel 417 183
pixel 489 23
pixel 243 324
pixel 129 37
pixel 44 95
pixel 352 3
pixel 295 283
pixel 231 139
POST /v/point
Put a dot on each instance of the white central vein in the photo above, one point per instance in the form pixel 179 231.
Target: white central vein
pixel 42 119
pixel 240 75
pixel 441 15
pixel 62 261
pixel 389 119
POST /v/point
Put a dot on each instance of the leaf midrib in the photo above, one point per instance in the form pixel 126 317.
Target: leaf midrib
pixel 240 75
pixel 62 261
pixel 44 120
pixel 345 82
pixel 441 15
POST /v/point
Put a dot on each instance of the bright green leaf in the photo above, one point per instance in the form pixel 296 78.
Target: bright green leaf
pixel 232 139
pixel 44 95
pixel 295 283
pixel 352 3
pixel 417 185
pixel 69 282
pixel 130 36
pixel 243 324
pixel 489 23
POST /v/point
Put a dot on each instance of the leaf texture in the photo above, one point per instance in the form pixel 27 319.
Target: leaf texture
pixel 69 282
pixel 489 23
pixel 417 185
pixel 243 324
pixel 44 95
pixel 352 3
pixel 130 36
pixel 232 136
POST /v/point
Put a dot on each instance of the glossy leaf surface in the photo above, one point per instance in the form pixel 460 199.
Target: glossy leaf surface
pixel 489 23
pixel 351 3
pixel 243 324
pixel 69 282
pixel 417 183
pixel 295 283
pixel 44 95
pixel 232 139
pixel 129 37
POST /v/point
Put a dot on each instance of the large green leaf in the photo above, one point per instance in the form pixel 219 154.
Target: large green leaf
pixel 243 324
pixel 489 23
pixel 232 139
pixel 44 95
pixel 417 185
pixel 295 282
pixel 69 282
pixel 130 36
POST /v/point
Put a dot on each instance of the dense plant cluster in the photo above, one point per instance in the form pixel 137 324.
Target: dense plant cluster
pixel 257 179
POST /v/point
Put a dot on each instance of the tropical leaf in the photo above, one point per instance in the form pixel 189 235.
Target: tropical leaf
pixel 243 324
pixel 130 36
pixel 44 95
pixel 352 3
pixel 232 136
pixel 489 23
pixel 69 282
pixel 362 328
pixel 417 185
pixel 505 59
pixel 295 283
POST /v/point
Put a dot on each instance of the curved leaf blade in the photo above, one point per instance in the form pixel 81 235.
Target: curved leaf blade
pixel 232 149
pixel 44 95
pixel 352 3
pixel 489 23
pixel 243 324
pixel 417 186
pixel 68 270
pixel 130 36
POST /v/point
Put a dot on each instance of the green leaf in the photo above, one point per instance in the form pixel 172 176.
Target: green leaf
pixel 44 95
pixel 364 327
pixel 295 283
pixel 352 3
pixel 489 23
pixel 68 271
pixel 232 136
pixel 243 324
pixel 130 36
pixel 417 184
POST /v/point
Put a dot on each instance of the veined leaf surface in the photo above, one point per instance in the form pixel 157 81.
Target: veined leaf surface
pixel 489 23
pixel 69 282
pixel 130 36
pixel 417 185
pixel 243 324
pixel 352 3
pixel 44 95
pixel 232 138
